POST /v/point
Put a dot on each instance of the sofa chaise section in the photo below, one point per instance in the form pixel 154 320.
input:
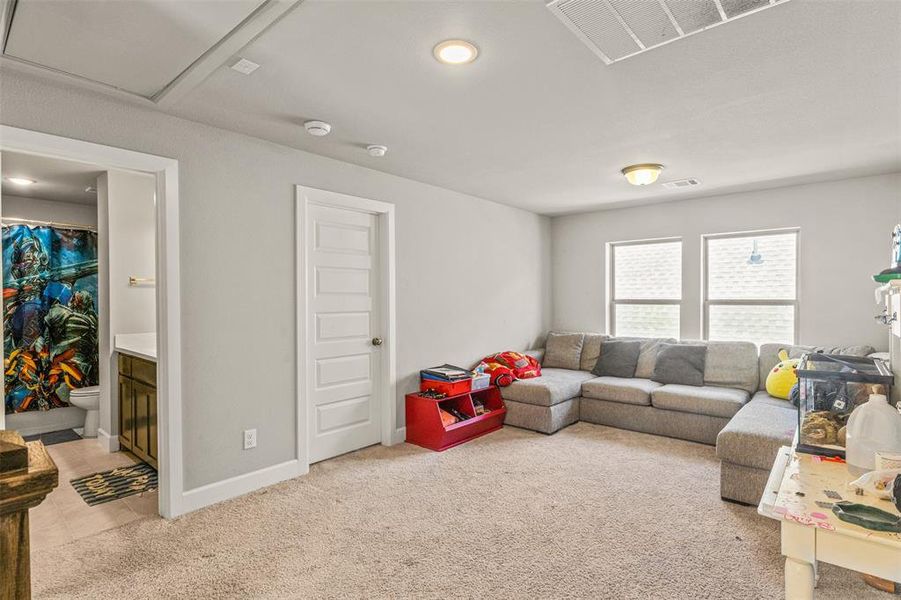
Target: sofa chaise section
pixel 748 445
pixel 547 403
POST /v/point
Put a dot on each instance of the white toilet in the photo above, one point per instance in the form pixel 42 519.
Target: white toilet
pixel 88 398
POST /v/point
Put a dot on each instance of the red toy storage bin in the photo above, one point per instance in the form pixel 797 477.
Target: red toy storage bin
pixel 449 388
pixel 424 426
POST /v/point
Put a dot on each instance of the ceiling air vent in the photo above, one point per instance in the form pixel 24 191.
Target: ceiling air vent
pixel 618 29
pixel 681 183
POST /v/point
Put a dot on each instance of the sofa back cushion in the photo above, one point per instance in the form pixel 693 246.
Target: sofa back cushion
pixel 648 356
pixel 619 358
pixel 769 355
pixel 563 350
pixel 732 364
pixel 681 364
pixel 591 350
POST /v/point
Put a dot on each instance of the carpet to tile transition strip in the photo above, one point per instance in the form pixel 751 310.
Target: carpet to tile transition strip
pixel 117 483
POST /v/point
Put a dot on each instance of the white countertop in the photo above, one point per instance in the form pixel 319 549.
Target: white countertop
pixel 142 345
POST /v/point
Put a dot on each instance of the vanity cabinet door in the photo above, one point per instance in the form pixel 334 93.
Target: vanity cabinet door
pixel 126 413
pixel 145 443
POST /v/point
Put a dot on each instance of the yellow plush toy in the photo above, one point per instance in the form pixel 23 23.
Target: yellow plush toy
pixel 783 376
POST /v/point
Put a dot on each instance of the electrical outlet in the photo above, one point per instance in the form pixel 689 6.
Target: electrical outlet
pixel 250 439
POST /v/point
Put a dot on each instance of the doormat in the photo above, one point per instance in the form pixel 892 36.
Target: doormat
pixel 118 483
pixel 54 437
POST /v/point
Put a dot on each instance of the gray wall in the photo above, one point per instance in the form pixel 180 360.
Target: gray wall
pixel 238 271
pixel 49 210
pixel 845 228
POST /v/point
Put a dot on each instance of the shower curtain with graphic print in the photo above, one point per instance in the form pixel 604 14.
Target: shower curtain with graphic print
pixel 50 341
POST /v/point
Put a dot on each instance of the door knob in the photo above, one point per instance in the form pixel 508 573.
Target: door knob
pixel 376 341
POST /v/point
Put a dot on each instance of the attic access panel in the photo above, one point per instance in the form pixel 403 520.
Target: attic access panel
pixel 618 29
pixel 138 46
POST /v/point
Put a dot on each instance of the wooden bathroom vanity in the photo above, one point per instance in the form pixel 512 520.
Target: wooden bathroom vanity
pixel 137 407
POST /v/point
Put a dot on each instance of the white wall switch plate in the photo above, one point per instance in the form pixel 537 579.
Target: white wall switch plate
pixel 250 439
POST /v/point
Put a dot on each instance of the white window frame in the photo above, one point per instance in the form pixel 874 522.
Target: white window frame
pixel 705 279
pixel 612 300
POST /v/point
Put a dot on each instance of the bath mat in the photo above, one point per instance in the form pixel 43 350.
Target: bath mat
pixel 54 437
pixel 118 483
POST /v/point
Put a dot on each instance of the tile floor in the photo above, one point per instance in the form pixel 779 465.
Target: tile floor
pixel 64 517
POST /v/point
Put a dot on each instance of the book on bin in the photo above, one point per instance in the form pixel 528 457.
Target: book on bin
pixel 446 373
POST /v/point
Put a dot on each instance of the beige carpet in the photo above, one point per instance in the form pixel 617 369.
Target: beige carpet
pixel 590 512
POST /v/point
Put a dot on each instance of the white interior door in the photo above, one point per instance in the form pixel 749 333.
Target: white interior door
pixel 344 330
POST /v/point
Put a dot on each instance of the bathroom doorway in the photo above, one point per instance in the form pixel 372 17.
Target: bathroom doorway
pixel 135 303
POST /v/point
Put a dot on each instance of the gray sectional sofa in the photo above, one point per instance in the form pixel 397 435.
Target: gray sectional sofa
pixel 731 409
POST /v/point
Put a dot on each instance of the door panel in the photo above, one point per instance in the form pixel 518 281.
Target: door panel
pixel 343 272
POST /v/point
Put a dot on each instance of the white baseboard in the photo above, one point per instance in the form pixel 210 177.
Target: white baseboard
pixel 239 485
pixel 109 442
pixel 399 437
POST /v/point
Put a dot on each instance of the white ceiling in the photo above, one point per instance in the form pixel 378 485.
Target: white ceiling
pixel 136 46
pixel 59 180
pixel 804 91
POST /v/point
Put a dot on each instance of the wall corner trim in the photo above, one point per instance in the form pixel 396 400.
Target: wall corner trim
pixel 110 443
pixel 399 436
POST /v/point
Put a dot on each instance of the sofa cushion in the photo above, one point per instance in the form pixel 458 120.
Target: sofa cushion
pixel 648 356
pixel 769 355
pixel 591 350
pixel 754 435
pixel 619 389
pixel 680 364
pixel 706 400
pixel 554 386
pixel 563 350
pixel 732 364
pixel 618 358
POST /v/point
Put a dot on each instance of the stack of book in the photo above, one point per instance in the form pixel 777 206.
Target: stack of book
pixel 446 379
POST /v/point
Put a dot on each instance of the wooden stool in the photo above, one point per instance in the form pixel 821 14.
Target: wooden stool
pixel 27 475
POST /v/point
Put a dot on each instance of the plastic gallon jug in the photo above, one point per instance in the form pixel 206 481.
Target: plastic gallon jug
pixel 874 426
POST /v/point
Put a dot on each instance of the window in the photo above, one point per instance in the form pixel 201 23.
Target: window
pixel 645 288
pixel 751 286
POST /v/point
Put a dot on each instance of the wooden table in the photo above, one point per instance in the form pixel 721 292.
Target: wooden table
pixel 27 475
pixel 812 533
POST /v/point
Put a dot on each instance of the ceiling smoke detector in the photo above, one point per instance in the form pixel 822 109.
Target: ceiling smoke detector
pixel 317 128
pixel 376 150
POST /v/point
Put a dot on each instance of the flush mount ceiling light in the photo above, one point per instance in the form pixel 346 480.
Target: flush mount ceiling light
pixel 643 174
pixel 455 52
pixel 377 150
pixel 21 180
pixel 317 128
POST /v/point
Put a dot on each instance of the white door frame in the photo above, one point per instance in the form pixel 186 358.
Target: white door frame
pixel 384 211
pixel 168 293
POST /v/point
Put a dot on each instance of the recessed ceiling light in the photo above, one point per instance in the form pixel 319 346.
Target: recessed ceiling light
pixel 377 150
pixel 317 128
pixel 21 180
pixel 455 52
pixel 643 174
